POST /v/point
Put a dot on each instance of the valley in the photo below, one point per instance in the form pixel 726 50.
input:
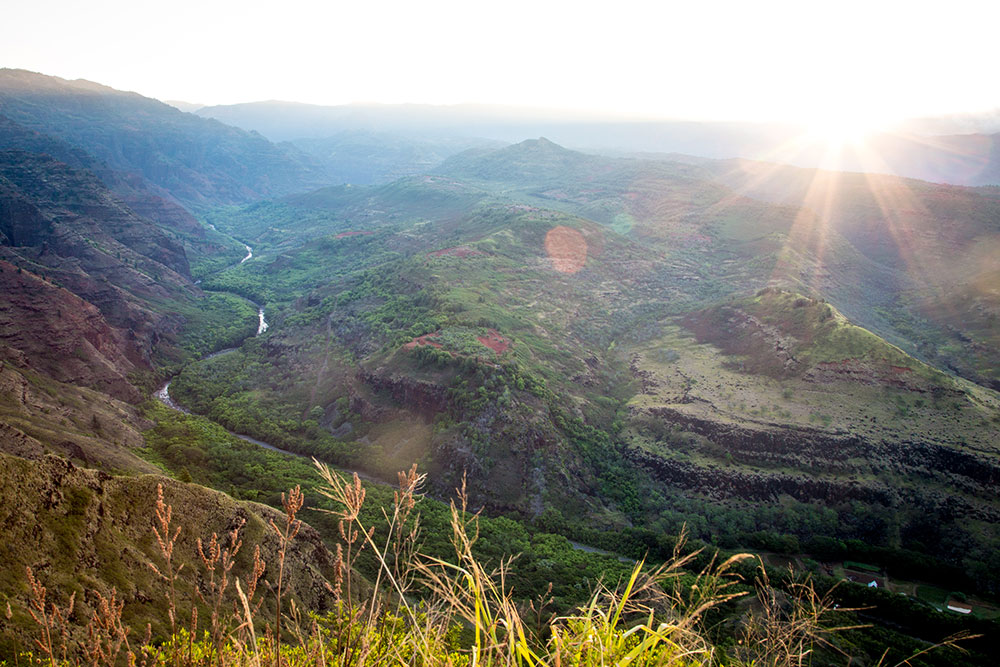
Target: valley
pixel 605 353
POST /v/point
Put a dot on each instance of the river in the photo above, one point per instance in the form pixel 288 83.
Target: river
pixel 262 323
pixel 163 396
pixel 163 393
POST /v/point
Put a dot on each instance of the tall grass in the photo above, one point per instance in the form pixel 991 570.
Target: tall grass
pixel 422 610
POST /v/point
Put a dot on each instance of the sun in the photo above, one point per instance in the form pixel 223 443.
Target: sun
pixel 841 128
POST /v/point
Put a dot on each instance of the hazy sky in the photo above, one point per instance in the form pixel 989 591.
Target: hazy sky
pixel 797 60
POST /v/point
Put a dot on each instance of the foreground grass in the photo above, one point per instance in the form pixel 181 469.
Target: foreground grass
pixel 422 610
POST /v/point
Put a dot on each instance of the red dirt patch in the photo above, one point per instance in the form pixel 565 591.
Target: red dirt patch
pixel 457 251
pixel 426 339
pixel 495 341
pixel 342 235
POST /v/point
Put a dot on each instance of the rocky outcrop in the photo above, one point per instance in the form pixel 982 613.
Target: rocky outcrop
pixel 872 374
pixel 64 225
pixel 63 336
pixel 142 197
pixel 721 482
pixel 806 446
pixel 21 223
pixel 77 199
pixel 497 449
pixel 818 452
pixel 768 350
pixel 420 397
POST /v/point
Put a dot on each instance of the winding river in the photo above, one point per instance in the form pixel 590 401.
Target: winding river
pixel 163 396
pixel 163 393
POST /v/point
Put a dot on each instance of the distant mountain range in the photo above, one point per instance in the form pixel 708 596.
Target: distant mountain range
pixel 952 156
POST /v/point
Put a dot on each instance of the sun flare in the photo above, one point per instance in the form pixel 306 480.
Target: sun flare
pixel 840 129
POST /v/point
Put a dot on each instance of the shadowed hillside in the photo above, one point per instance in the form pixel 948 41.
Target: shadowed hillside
pixel 197 161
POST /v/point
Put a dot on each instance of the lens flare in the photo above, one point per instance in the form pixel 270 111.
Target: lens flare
pixel 566 248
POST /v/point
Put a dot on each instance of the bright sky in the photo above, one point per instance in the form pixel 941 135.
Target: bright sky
pixel 800 60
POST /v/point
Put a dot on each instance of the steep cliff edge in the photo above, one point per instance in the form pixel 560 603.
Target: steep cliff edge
pixel 63 336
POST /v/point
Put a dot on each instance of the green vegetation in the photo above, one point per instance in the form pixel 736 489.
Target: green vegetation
pixel 214 322
pixel 224 252
pixel 447 610
pixel 137 135
pixel 193 447
pixel 220 321
pixel 339 358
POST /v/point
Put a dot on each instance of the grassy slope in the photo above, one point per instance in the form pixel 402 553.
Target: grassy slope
pixel 80 530
pixel 937 242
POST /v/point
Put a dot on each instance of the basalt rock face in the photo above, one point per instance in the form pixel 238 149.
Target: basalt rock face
pixel 723 483
pixel 499 450
pixel 811 465
pixel 144 198
pixel 64 336
pixel 820 451
pixel 803 446
pixel 77 201
pixel 21 223
pixel 423 398
pixel 719 483
pixel 65 227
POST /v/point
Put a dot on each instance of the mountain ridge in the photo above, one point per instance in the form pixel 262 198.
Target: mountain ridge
pixel 199 161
